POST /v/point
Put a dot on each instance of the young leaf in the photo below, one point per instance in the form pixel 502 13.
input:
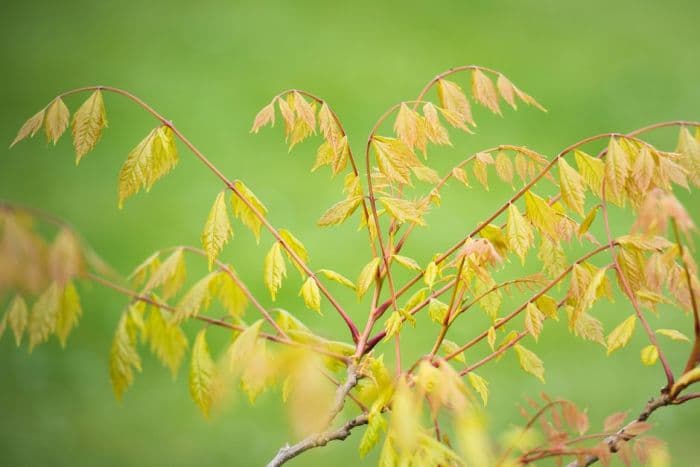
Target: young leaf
pixel 197 298
pixel 367 276
pixel 311 295
pixel 376 425
pixel 65 257
pixel 673 334
pixel 339 212
pixel 146 268
pixel 242 348
pixel 88 123
pixel 42 320
pixel 30 127
pixel 409 127
pixel 57 116
pixel 649 355
pixel 245 204
pixel 403 210
pixel 264 117
pixel 394 159
pixel 202 374
pixel 437 310
pixel 571 184
pixel 275 269
pixel 434 130
pixel 530 362
pixel 592 170
pixel 461 175
pixel 149 161
pixel 541 214
pixel 231 295
pixel 588 221
pixel 17 317
pixel 68 314
pixel 506 90
pixel 407 262
pixel 448 348
pixel 297 247
pixel 480 385
pixel 533 320
pixel 620 336
pixel 123 358
pixel 504 167
pixel 430 274
pixel 453 100
pixel 617 166
pixel 518 232
pixel 170 274
pixel 167 340
pixel 484 91
pixel 305 111
pixel 217 229
pixel 336 277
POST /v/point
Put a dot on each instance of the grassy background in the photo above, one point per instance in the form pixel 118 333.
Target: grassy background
pixel 209 66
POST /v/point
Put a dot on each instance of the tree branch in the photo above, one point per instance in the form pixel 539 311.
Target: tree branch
pixel 317 440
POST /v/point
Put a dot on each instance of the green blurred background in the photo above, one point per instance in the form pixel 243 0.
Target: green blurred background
pixel 209 66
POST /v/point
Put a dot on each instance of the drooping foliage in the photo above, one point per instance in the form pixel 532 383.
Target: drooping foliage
pixel 431 411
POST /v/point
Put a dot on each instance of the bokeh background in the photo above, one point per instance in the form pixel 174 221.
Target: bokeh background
pixel 209 66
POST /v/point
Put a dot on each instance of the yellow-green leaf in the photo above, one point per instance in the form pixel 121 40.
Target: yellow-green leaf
pixel 484 91
pixel 530 362
pixel 518 232
pixel 437 310
pixel 57 116
pixel 274 269
pixel 592 170
pixel 533 320
pixel 617 167
pixel 571 183
pixel 588 221
pixel 248 208
pixel 217 229
pixel 430 274
pixel 673 334
pixel 150 160
pixel 17 317
pixel 242 348
pixel 453 100
pixel 367 276
pixel 231 295
pixel 480 385
pixel 30 127
pixel 448 348
pixel 403 210
pixel 649 355
pixel 339 212
pixel 407 262
pixel 170 274
pixel 167 341
pixel 88 123
pixel 202 374
pixel 264 117
pixel 336 277
pixel 620 336
pixel 197 298
pixel 541 214
pixel 297 247
pixel 311 295
pixel 123 358
pixel 69 313
pixel 370 438
pixel 42 320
